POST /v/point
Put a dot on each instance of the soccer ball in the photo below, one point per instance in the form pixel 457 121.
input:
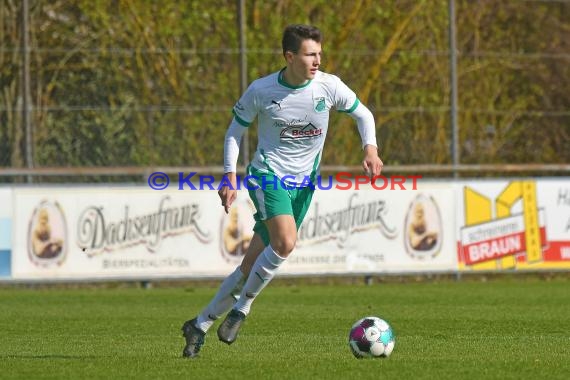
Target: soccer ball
pixel 371 337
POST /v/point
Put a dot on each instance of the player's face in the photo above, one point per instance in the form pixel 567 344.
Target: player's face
pixel 303 65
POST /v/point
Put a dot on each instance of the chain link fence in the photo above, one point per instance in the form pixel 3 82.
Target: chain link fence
pixel 145 84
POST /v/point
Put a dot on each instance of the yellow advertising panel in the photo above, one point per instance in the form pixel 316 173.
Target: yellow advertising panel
pixel 523 224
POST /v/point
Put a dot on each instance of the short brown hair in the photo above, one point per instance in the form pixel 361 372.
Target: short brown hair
pixel 295 34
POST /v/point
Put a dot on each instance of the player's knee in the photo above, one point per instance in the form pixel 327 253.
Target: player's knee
pixel 284 245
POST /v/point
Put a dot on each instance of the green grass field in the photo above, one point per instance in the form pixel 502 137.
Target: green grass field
pixel 510 328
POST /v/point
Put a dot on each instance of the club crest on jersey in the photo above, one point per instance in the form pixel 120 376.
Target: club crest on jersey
pixel 300 132
pixel 320 104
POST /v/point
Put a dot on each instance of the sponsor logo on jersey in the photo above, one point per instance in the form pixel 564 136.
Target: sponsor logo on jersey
pixel 300 132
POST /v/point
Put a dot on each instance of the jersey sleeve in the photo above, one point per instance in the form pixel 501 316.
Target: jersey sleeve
pixel 245 110
pixel 345 99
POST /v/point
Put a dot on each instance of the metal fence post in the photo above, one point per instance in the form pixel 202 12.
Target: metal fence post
pixel 453 78
pixel 27 106
pixel 243 71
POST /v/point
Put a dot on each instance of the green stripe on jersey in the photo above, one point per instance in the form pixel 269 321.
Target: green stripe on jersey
pixel 283 83
pixel 351 109
pixel 240 120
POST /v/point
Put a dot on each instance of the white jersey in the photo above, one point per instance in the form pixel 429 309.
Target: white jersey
pixel 292 121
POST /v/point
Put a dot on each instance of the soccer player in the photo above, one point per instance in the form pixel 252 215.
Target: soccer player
pixel 292 107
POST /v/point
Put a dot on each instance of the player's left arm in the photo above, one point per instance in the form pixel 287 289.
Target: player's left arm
pixel 372 164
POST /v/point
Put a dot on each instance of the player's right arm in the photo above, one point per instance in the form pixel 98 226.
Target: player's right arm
pixel 244 112
pixel 232 142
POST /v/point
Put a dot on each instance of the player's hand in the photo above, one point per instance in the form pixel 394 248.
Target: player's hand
pixel 228 194
pixel 372 164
